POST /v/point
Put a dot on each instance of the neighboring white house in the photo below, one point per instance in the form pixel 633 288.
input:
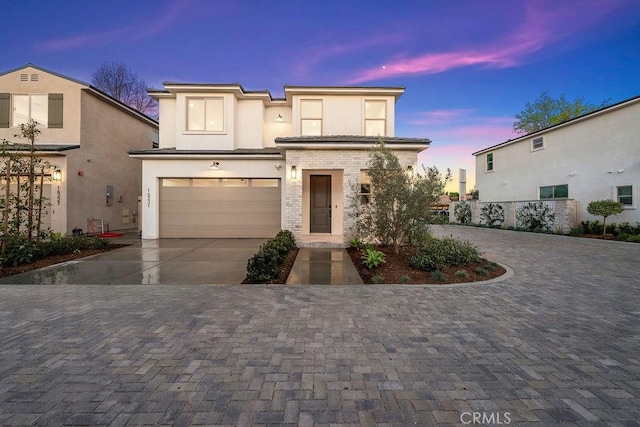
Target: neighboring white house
pixel 592 157
pixel 238 163
pixel 85 135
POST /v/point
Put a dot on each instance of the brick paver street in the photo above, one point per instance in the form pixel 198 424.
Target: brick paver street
pixel 557 343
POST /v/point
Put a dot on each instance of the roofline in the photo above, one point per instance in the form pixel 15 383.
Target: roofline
pixel 569 122
pixel 46 71
pixel 171 88
pixel 90 88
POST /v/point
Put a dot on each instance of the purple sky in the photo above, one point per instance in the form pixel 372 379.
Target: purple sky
pixel 468 65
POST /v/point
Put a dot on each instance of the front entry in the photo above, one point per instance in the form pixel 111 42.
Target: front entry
pixel 320 200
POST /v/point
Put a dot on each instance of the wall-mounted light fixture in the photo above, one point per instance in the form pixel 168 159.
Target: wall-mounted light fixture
pixel 215 165
pixel 278 166
pixel 56 175
pixel 279 118
pixel 620 170
pixel 294 172
pixel 572 174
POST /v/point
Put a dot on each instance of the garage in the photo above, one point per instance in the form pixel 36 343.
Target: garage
pixel 219 207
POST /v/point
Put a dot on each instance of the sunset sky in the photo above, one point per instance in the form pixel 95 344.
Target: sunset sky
pixel 468 66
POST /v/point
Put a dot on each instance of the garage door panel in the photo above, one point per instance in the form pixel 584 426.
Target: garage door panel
pixel 223 212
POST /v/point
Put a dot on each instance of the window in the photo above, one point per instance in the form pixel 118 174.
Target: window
pixel 235 182
pixel 624 195
pixel 537 143
pixel 175 182
pixel 365 187
pixel 25 107
pixel 45 109
pixel 311 117
pixel 155 140
pixel 266 182
pixel 554 192
pixel 489 162
pixel 375 118
pixel 205 114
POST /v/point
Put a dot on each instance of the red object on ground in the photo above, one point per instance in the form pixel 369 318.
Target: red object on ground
pixel 110 235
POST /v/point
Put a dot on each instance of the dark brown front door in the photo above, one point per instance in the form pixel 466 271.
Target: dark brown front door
pixel 320 203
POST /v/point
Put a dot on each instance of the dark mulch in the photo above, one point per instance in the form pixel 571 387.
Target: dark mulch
pixel 54 259
pixel 397 266
pixel 285 269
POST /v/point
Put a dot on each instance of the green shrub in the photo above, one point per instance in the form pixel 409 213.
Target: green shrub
pixel 438 275
pixel 605 208
pixel 405 280
pixel 373 258
pixel 378 280
pixel 576 231
pixel 355 243
pixel 493 214
pixel 625 228
pixel 623 237
pixel 481 272
pixel 462 274
pixel 634 239
pixel 19 251
pixel 438 253
pixel 490 266
pixel 462 212
pixel 535 217
pixel 263 266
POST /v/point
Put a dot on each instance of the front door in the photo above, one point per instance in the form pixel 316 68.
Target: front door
pixel 320 203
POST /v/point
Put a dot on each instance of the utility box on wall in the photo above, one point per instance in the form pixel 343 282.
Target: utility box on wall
pixel 109 195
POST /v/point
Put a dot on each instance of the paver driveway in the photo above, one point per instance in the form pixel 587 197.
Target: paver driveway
pixel 557 342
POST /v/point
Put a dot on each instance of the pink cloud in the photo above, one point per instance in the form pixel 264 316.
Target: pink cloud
pixel 134 31
pixel 325 52
pixel 540 28
pixel 424 118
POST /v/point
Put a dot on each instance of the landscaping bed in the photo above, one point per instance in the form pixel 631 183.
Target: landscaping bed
pixel 397 268
pixel 54 259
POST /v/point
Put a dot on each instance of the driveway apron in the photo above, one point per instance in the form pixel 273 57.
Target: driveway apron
pixel 153 262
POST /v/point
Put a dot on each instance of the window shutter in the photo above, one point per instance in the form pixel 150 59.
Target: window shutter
pixel 4 110
pixel 55 110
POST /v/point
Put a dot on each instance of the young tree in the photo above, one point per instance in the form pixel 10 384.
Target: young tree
pixel 400 204
pixel 547 111
pixel 604 208
pixel 124 85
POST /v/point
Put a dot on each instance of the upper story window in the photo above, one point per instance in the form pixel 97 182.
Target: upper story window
pixel 155 140
pixel 375 118
pixel 365 187
pixel 624 195
pixel 45 109
pixel 537 143
pixel 310 117
pixel 205 114
pixel 489 160
pixel 554 192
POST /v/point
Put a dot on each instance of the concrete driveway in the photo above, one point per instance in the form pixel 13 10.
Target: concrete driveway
pixel 153 262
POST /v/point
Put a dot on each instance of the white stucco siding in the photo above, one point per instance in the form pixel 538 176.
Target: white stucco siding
pixel 152 170
pixel 200 140
pixel 250 124
pixel 168 127
pixel 344 114
pixel 591 156
pixel 273 127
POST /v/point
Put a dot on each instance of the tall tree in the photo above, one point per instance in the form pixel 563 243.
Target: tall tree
pixel 547 111
pixel 400 204
pixel 118 81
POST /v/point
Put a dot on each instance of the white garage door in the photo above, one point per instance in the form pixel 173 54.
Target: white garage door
pixel 225 207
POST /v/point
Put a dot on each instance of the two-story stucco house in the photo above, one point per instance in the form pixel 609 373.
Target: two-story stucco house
pixel 86 136
pixel 238 163
pixel 592 157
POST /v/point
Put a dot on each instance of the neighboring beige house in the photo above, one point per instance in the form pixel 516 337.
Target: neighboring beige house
pixel 238 163
pixel 85 135
pixel 593 157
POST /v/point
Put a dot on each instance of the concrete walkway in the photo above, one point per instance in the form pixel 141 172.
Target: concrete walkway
pixel 320 266
pixel 557 343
